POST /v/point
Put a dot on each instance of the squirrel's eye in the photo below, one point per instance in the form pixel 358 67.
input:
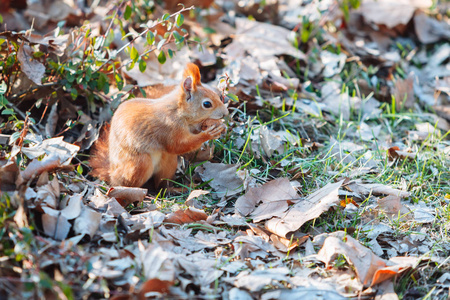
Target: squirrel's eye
pixel 207 104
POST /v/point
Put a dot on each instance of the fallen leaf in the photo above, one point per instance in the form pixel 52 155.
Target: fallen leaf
pixel 127 195
pixel 157 263
pixel 334 63
pixel 52 147
pixel 262 40
pixel 204 271
pixel 36 167
pixel 364 261
pixel 375 188
pixel 88 222
pixel 194 195
pixel 307 209
pixel 275 196
pixel 189 215
pixel 20 217
pixel 56 227
pixel 74 207
pixel 8 175
pixel 385 291
pixel 257 280
pixel 404 93
pixel 395 153
pixel 304 293
pixel 224 181
pixel 423 213
pixel 33 68
pixel 248 246
pixel 286 245
pixel 391 13
pixel 269 141
pixel 430 30
pixel 154 285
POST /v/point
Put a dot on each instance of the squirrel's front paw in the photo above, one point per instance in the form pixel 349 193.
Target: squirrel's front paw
pixel 215 131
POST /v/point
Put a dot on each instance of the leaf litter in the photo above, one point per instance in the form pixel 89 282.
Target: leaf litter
pixel 258 233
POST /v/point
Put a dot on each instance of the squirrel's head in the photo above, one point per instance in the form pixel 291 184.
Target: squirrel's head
pixel 199 103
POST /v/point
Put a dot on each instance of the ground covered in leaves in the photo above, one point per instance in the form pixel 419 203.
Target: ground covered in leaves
pixel 331 182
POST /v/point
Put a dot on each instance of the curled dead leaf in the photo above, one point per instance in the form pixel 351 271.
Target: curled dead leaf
pixel 56 227
pixel 395 153
pixel 36 167
pixel 34 69
pixel 189 215
pixel 153 287
pixel 366 263
pixel 127 195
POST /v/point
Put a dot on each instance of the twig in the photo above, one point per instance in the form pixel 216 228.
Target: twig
pixel 141 34
pixel 24 116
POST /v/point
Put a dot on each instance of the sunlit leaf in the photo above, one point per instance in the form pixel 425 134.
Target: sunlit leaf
pixel 162 57
pixel 127 13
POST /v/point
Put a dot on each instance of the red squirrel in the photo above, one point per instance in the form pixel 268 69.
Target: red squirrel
pixel 147 135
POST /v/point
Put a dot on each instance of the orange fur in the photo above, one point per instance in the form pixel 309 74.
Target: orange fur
pixel 193 71
pixel 99 160
pixel 146 136
pixel 155 91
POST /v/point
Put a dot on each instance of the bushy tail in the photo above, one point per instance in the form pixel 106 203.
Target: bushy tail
pixel 99 160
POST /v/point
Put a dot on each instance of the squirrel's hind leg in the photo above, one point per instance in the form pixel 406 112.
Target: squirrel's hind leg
pixel 166 170
pixel 132 171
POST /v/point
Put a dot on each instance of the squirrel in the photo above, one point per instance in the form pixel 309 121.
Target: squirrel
pixel 146 136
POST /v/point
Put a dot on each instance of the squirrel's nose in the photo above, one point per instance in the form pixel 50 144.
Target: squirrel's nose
pixel 225 113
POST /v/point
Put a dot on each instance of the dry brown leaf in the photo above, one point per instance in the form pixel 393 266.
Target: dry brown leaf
pixel 36 167
pixel 385 291
pixel 430 30
pixel 153 286
pixel 48 194
pixel 285 245
pixel 203 270
pixel 225 181
pixel 52 121
pixel 20 217
pixel 270 142
pixel 127 195
pixel 395 153
pixel 443 111
pixel 34 69
pixel 390 204
pixel 365 262
pixel 376 189
pixel 275 196
pixel 88 222
pixel 8 175
pixel 246 246
pixel 157 262
pixel 74 207
pixel 404 93
pixel 56 227
pixel 257 280
pixel 391 13
pixel 195 194
pixel 262 40
pixel 189 215
pixel 305 210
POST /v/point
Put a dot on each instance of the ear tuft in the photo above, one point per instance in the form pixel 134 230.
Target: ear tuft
pixel 193 71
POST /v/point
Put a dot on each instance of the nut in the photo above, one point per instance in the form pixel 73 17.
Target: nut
pixel 210 122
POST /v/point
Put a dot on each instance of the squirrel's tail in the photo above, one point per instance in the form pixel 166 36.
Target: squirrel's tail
pixel 99 160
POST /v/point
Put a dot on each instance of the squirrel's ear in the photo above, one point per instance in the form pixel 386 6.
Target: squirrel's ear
pixel 193 71
pixel 188 84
